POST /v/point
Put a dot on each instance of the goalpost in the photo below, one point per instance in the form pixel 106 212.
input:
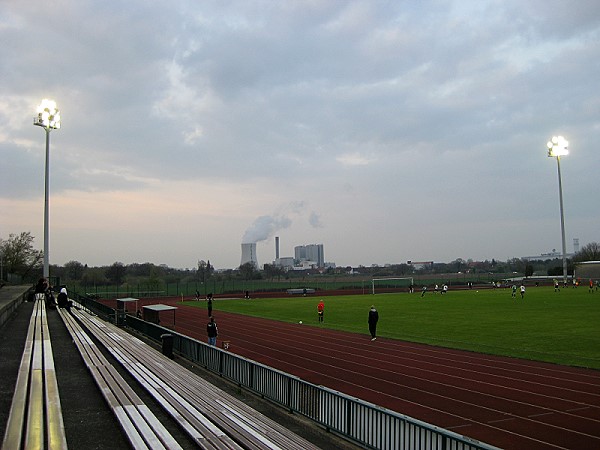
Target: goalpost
pixel 395 282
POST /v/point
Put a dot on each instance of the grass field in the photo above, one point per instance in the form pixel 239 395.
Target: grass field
pixel 560 327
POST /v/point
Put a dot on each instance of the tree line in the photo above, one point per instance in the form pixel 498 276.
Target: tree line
pixel 20 261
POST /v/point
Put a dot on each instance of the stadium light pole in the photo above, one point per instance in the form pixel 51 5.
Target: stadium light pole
pixel 48 117
pixel 558 147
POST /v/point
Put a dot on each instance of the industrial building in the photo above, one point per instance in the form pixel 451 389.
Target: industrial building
pixel 305 257
pixel 249 254
pixel 312 253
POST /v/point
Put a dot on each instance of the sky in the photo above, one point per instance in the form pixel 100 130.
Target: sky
pixel 387 131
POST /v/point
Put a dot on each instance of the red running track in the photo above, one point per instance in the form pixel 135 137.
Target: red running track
pixel 506 402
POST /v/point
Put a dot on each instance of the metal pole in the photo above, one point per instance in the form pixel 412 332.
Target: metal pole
pixel 46 192
pixel 562 223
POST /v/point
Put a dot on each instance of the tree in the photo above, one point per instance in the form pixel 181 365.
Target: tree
pixel 116 273
pixel 589 252
pixel 528 270
pixel 18 255
pixel 205 270
pixel 457 265
pixel 248 271
pixel 74 270
pixel 272 271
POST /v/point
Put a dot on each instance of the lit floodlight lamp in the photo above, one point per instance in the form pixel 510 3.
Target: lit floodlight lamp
pixel 557 147
pixel 48 117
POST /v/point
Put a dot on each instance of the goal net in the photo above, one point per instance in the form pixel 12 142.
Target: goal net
pixel 391 284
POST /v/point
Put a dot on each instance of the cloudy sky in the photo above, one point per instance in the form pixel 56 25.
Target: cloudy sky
pixel 385 130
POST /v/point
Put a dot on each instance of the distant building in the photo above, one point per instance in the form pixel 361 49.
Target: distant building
pixel 311 252
pixel 544 256
pixel 286 261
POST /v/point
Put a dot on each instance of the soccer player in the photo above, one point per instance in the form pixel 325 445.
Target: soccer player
pixel 320 310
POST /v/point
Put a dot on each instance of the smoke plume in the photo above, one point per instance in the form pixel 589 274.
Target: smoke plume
pixel 265 227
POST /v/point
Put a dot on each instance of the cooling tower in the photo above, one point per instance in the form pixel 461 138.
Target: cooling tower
pixel 249 254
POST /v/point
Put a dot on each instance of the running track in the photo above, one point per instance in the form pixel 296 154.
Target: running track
pixel 506 402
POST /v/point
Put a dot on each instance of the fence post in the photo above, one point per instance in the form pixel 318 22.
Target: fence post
pixel 221 363
pixel 289 396
pixel 348 417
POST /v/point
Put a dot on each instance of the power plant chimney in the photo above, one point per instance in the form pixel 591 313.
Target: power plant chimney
pixel 249 254
pixel 276 248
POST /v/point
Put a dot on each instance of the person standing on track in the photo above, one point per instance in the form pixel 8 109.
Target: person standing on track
pixel 212 331
pixel 209 304
pixel 373 319
pixel 320 310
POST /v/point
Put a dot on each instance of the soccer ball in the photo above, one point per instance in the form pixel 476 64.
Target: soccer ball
pixel 300 322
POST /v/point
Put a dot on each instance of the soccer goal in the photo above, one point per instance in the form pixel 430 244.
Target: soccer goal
pixel 390 284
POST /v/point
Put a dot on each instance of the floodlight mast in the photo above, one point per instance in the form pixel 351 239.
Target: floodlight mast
pixel 558 147
pixel 48 117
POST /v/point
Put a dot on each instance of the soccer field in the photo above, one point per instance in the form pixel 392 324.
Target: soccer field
pixel 560 327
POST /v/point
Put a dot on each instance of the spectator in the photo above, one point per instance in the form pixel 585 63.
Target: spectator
pixel 212 331
pixel 373 319
pixel 63 299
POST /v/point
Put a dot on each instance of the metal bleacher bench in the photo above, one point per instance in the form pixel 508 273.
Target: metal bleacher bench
pixel 210 416
pixel 35 420
pixel 300 291
pixel 140 425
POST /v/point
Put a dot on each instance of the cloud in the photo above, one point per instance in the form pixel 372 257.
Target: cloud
pixel 354 159
pixel 315 220
pixel 429 114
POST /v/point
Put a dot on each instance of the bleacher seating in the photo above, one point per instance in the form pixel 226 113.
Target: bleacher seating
pixel 35 420
pixel 142 428
pixel 211 417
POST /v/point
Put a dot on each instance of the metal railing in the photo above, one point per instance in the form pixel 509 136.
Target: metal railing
pixel 8 309
pixel 362 422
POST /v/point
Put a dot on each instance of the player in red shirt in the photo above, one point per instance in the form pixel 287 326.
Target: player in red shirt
pixel 320 310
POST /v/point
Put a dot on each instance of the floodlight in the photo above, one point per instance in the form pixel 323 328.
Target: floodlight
pixel 558 146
